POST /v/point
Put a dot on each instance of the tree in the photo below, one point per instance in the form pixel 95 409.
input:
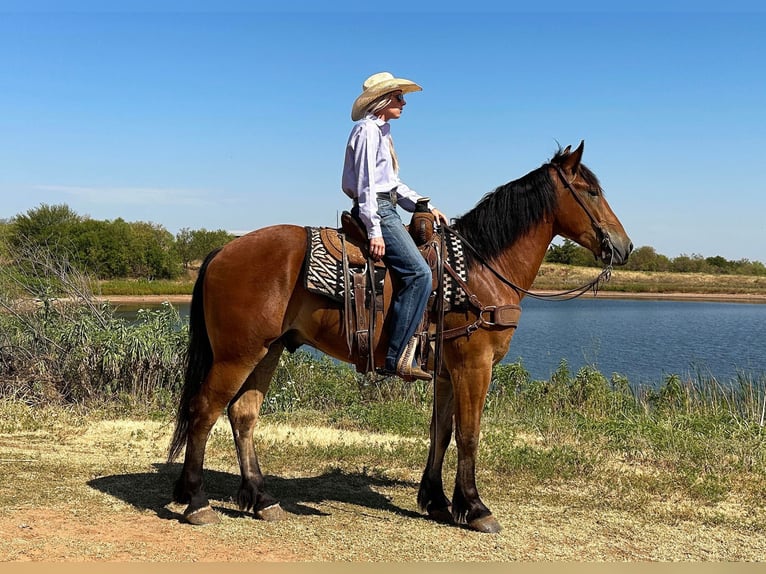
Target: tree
pixel 688 264
pixel 102 248
pixel 154 252
pixel 569 253
pixel 564 253
pixel 720 264
pixel 184 246
pixel 47 225
pixel 5 236
pixel 194 245
pixel 647 259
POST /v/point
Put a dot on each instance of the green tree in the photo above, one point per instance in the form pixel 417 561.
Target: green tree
pixel 47 225
pixel 569 253
pixel 102 248
pixel 184 246
pixel 154 254
pixel 647 259
pixel 720 264
pixel 5 237
pixel 565 253
pixel 194 245
pixel 694 263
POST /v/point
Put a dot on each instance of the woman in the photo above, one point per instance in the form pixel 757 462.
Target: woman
pixel 371 179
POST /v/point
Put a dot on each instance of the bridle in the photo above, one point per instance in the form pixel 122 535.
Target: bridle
pixel 505 316
pixel 593 285
pixel 606 242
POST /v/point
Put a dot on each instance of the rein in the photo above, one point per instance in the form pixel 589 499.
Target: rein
pixel 505 316
pixel 570 294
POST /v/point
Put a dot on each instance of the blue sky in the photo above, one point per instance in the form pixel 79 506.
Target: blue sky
pixel 236 117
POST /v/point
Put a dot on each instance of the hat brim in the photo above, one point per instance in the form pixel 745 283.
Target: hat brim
pixel 378 90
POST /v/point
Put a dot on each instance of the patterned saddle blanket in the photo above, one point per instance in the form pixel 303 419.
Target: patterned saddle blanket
pixel 324 268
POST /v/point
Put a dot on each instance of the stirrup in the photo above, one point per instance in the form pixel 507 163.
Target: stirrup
pixel 405 369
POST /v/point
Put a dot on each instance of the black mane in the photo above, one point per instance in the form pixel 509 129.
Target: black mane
pixel 511 210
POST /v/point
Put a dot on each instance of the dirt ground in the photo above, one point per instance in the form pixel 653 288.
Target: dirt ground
pixel 101 494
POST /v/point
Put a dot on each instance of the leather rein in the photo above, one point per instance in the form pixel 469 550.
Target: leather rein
pixel 505 316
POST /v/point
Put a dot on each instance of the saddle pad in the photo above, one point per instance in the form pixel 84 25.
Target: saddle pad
pixel 324 273
pixel 453 293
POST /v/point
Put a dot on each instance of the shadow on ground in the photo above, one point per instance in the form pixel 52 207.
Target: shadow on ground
pixel 153 490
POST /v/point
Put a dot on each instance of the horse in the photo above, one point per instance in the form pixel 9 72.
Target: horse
pixel 249 304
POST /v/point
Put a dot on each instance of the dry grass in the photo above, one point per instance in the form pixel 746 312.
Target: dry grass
pixel 554 277
pixel 99 491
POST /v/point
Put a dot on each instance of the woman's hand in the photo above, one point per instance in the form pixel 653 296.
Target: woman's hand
pixel 377 248
pixel 440 217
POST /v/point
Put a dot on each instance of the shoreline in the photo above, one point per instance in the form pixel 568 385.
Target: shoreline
pixel 709 297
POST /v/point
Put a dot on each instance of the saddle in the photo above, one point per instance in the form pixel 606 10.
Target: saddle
pixel 363 295
pixel 350 241
pixel 338 265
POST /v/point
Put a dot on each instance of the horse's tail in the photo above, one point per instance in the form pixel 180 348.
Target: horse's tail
pixel 199 359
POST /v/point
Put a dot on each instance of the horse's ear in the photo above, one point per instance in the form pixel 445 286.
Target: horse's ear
pixel 572 161
pixel 566 150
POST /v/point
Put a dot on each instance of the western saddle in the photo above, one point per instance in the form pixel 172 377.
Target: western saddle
pixel 364 306
pixel 363 303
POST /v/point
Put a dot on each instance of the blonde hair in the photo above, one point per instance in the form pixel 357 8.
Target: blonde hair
pixel 373 109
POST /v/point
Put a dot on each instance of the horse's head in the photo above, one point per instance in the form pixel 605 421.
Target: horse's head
pixel 583 214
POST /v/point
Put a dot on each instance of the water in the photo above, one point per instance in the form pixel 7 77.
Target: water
pixel 643 340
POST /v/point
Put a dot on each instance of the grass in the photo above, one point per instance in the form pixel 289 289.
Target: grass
pixel 554 277
pixel 578 467
pixel 143 287
pixel 566 486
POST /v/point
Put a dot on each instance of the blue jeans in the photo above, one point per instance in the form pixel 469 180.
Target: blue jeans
pixel 413 275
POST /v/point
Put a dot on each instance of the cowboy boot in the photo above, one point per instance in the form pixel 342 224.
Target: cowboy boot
pixel 405 369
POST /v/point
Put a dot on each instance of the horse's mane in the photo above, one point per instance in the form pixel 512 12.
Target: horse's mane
pixel 511 210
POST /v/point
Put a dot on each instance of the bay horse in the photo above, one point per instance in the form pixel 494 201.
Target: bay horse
pixel 249 303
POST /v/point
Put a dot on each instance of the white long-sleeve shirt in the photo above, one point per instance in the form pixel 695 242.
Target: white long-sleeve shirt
pixel 368 170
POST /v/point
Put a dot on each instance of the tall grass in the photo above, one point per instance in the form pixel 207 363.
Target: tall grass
pixel 58 344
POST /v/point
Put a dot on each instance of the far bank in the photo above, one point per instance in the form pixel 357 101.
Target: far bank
pixel 551 278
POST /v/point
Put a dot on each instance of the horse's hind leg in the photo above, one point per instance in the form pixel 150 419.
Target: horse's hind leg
pixel 431 497
pixel 243 415
pixel 221 385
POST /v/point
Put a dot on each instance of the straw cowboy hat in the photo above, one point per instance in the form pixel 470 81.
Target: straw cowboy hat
pixel 379 85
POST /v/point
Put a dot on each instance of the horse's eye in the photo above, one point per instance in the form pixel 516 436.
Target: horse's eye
pixel 593 192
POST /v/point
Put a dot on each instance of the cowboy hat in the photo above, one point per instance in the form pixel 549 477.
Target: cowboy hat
pixel 379 85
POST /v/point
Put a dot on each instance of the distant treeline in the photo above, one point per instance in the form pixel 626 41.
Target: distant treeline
pixel 647 259
pixel 109 249
pixel 144 250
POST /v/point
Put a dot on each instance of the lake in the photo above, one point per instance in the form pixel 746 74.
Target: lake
pixel 643 340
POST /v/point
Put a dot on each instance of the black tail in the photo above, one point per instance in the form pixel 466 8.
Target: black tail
pixel 199 359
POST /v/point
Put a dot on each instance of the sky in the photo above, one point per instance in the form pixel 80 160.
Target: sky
pixel 234 115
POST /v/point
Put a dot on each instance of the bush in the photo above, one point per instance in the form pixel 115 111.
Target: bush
pixel 58 344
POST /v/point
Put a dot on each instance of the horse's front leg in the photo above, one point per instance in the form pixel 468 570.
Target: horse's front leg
pixel 471 381
pixel 243 415
pixel 431 497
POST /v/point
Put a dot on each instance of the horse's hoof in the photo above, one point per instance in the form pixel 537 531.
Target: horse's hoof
pixel 271 513
pixel 201 516
pixel 486 524
pixel 443 515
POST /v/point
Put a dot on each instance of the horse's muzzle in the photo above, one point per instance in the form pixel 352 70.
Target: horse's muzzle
pixel 615 251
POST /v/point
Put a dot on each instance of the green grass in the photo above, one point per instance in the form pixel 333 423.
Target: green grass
pixel 143 287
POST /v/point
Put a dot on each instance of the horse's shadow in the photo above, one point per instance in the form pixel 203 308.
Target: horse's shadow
pixel 153 490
